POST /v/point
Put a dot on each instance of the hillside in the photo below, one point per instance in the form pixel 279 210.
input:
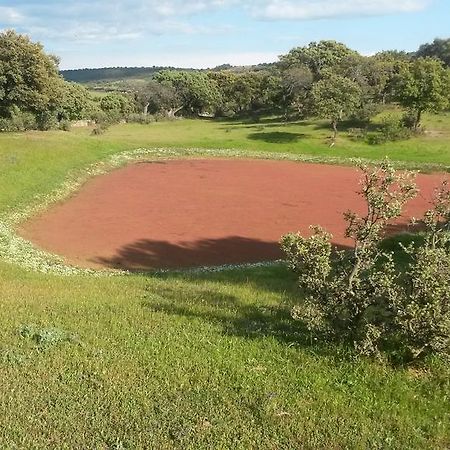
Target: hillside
pixel 111 73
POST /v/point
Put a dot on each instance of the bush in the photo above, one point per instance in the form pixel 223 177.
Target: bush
pixel 357 133
pixel 18 121
pixel 144 119
pixel 367 111
pixel 65 125
pixel 360 296
pixel 391 129
pixel 409 119
pixel 100 128
pixel 46 121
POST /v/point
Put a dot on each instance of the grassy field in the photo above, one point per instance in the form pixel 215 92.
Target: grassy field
pixel 194 361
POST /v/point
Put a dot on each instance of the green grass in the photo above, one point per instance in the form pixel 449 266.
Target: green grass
pixel 193 361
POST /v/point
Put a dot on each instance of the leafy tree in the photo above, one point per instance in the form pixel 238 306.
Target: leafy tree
pixel 116 104
pixel 317 56
pixel 195 90
pixel 336 97
pixel 75 102
pixel 226 81
pixel 422 85
pixel 157 97
pixel 296 85
pixel 29 78
pixel 246 91
pixel 439 48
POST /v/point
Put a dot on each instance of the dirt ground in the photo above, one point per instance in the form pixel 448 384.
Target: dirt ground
pixel 188 213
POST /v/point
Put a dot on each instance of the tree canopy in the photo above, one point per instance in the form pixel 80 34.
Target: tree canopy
pixel 29 78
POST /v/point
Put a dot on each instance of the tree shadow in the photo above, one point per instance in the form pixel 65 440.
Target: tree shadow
pixel 277 137
pixel 147 254
pixel 236 318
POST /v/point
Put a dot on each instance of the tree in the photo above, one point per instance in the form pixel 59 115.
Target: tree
pixel 296 84
pixel 116 104
pixel 422 85
pixel 439 48
pixel 317 56
pixel 245 91
pixel 336 97
pixel 196 92
pixel 75 102
pixel 29 78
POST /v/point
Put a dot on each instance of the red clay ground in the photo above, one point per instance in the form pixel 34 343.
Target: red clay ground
pixel 189 213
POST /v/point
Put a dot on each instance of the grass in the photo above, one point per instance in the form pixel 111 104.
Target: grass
pixel 199 360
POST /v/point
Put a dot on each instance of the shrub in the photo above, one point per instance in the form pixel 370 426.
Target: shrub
pixel 360 296
pixel 143 119
pixel 409 119
pixel 357 133
pixel 18 121
pixel 46 121
pixel 100 128
pixel 65 125
pixel 392 129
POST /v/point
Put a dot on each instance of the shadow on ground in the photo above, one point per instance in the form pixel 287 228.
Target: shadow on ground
pixel 277 137
pixel 149 254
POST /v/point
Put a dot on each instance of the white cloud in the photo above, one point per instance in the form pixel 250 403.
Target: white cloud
pixel 115 20
pixel 320 9
pixel 10 16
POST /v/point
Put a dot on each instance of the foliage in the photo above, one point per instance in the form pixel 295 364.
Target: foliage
pixel 46 120
pixel 65 125
pixel 244 92
pixel 117 105
pixel 335 98
pixel 360 296
pixel 317 56
pixel 439 48
pixel 295 92
pixel 144 119
pixel 422 85
pixel 392 129
pixel 155 97
pixel 196 92
pixel 18 121
pixel 29 78
pixel 76 103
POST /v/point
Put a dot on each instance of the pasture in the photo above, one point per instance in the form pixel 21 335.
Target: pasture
pixel 195 360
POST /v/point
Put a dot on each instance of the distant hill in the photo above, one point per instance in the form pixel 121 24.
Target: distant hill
pixel 111 73
pixel 115 74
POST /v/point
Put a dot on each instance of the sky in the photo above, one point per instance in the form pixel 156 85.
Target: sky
pixel 207 33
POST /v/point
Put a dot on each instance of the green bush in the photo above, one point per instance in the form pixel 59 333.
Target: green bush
pixel 65 125
pixel 361 296
pixel 391 129
pixel 46 120
pixel 144 119
pixel 18 121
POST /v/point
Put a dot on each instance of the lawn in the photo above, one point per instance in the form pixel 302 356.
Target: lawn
pixel 194 360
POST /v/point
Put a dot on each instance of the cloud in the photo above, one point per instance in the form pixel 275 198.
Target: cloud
pixel 10 16
pixel 99 21
pixel 93 21
pixel 321 9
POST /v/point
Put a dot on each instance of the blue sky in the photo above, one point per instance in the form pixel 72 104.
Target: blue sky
pixel 206 33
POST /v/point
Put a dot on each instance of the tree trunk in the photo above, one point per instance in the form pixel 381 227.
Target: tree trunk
pixel 418 119
pixel 146 108
pixel 172 111
pixel 335 131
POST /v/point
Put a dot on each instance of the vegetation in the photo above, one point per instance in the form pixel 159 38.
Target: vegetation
pixel 191 360
pixel 195 360
pixel 360 296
